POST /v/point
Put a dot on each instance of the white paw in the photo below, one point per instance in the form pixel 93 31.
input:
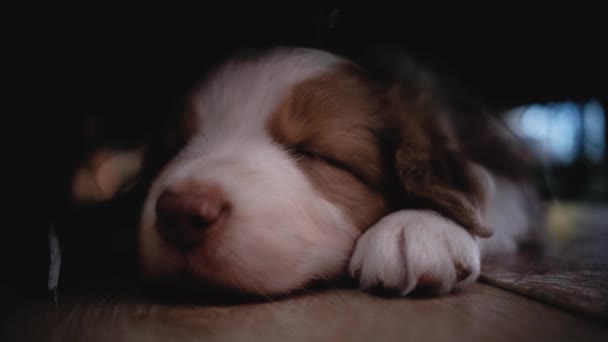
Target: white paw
pixel 415 248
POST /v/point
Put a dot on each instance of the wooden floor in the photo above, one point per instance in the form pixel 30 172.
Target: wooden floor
pixel 572 272
pixel 482 313
pixel 558 295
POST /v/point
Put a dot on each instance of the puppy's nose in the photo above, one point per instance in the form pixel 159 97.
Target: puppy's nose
pixel 183 217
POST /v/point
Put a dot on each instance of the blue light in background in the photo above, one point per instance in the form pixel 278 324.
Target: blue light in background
pixel 565 132
pixel 562 132
pixel 594 120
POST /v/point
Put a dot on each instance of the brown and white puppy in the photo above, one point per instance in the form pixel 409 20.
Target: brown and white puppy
pixel 297 165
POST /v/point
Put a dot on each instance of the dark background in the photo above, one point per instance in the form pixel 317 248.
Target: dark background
pixel 125 70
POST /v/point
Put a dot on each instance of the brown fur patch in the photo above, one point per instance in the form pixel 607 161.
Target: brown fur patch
pixel 332 124
pixel 433 167
pixel 363 205
pixel 373 147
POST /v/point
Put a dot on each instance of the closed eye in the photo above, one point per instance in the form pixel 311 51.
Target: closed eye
pixel 300 152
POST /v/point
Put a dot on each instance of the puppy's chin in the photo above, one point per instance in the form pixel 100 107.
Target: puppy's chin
pixel 209 272
pixel 194 282
pixel 189 288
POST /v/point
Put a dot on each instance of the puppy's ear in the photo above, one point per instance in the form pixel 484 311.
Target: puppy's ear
pixel 445 182
pixel 434 169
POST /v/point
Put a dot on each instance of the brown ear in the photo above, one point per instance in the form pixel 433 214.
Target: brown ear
pixel 434 168
pixel 444 182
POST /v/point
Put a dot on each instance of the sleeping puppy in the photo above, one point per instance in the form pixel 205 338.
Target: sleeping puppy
pixel 297 164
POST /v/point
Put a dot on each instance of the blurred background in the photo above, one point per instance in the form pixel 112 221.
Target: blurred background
pixel 111 76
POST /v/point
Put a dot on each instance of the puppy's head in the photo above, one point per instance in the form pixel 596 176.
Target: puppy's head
pixel 290 156
pixel 280 176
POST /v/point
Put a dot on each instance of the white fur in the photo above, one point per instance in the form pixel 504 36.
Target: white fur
pixel 280 232
pixel 507 214
pixel 408 246
pixel 235 103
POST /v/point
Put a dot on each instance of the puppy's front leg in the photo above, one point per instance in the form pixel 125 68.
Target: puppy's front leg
pixel 415 248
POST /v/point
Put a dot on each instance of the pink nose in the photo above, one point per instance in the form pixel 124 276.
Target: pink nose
pixel 183 217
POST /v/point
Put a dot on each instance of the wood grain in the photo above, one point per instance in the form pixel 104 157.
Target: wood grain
pixel 572 271
pixel 482 313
